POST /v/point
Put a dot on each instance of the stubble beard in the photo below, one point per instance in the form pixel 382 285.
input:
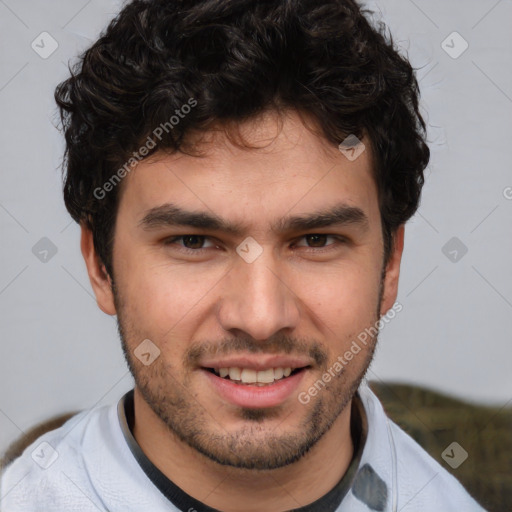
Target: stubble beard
pixel 254 446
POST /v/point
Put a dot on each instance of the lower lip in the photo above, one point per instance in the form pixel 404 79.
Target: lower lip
pixel 246 395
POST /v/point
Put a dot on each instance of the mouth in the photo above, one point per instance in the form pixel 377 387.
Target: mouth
pixel 257 386
pixel 252 377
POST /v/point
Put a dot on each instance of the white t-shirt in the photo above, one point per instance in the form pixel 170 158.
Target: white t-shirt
pixel 92 463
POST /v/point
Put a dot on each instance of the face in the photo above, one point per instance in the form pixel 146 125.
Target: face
pixel 251 271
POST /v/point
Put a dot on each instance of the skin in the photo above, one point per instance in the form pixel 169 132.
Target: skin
pixel 297 295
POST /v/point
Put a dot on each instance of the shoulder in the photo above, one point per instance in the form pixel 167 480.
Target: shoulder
pixel 423 482
pixel 85 466
pixel 17 447
pixel 415 479
pixel 51 472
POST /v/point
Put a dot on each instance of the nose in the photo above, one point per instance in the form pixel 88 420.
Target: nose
pixel 257 299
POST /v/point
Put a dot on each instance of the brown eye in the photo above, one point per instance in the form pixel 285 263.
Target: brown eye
pixel 190 243
pixel 319 241
pixel 316 240
pixel 193 241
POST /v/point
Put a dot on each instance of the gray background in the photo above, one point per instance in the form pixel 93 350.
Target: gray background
pixel 61 353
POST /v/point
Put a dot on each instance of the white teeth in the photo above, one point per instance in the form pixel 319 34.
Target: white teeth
pixel 250 376
pixel 265 375
pixel 234 373
pixel 278 373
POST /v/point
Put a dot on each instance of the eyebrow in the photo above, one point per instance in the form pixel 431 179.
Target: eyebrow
pixel 170 215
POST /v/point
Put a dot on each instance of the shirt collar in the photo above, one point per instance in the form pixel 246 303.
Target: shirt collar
pixel 329 502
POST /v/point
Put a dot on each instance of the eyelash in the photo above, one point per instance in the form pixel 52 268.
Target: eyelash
pixel 340 240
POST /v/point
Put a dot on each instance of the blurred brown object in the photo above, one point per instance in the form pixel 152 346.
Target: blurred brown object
pixel 435 420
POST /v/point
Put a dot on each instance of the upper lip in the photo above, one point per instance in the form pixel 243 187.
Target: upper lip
pixel 257 363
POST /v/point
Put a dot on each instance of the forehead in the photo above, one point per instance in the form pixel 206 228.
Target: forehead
pixel 281 168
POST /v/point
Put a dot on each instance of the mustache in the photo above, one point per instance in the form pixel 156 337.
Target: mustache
pixel 275 345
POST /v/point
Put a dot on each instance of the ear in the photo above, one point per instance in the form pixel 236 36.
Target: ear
pixel 393 271
pixel 100 280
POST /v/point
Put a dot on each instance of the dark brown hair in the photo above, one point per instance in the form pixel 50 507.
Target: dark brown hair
pixel 235 59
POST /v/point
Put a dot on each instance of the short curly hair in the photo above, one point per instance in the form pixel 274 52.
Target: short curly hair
pixel 235 59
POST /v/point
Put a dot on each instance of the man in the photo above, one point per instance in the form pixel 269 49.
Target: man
pixel 242 173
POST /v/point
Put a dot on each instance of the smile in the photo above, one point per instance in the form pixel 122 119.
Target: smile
pixel 251 388
pixel 251 376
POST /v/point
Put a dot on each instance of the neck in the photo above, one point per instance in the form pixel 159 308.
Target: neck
pixel 225 487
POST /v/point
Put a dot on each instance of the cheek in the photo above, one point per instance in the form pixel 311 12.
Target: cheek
pixel 343 298
pixel 165 299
